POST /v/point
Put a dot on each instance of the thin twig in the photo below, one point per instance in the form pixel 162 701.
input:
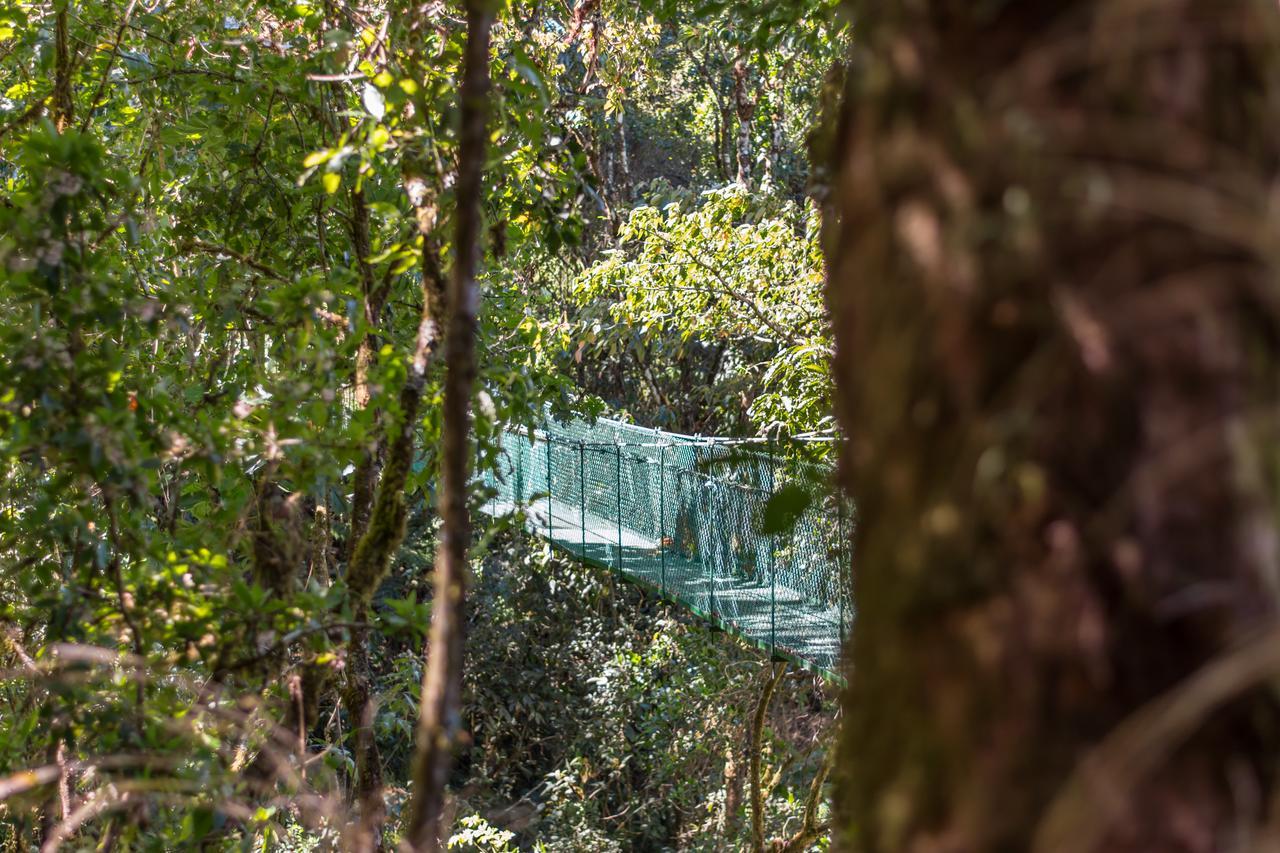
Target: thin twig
pixel 96 101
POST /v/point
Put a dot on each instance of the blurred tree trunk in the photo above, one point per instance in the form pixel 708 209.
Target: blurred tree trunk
pixel 1052 279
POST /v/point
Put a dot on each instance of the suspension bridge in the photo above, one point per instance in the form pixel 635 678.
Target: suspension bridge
pixel 682 516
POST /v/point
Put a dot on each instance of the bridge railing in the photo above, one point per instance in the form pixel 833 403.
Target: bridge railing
pixel 683 516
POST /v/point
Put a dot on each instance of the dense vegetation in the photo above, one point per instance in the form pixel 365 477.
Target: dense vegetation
pixel 233 236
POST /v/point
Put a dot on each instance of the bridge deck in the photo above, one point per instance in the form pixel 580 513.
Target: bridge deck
pixel 773 617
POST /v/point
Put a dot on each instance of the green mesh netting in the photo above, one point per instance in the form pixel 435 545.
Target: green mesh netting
pixel 682 515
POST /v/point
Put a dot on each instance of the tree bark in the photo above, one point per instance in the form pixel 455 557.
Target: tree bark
pixel 438 723
pixel 63 103
pixel 373 552
pixel 810 829
pixel 624 159
pixel 731 818
pixel 777 121
pixel 775 673
pixel 362 709
pixel 745 108
pixel 384 530
pixel 1056 335
pixel 373 301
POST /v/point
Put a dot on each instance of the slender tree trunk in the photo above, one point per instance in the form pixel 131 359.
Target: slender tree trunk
pixel 777 118
pixel 63 105
pixel 1056 334
pixel 376 517
pixel 624 159
pixel 374 297
pixel 775 673
pixel 438 724
pixel 591 149
pixel 383 535
pixel 610 187
pixel 314 680
pixel 731 817
pixel 362 709
pixel 810 829
pixel 745 108
pixel 384 531
pixel 721 132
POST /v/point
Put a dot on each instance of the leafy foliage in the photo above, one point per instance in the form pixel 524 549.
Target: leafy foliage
pixel 216 217
pixel 716 299
pixel 603 720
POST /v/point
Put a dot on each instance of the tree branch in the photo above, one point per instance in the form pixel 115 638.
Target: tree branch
pixel 106 72
pixel 252 263
pixel 757 735
pixel 727 289
pixel 810 830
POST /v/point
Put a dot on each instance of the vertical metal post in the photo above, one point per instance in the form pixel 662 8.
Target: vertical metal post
pixel 708 558
pixel 841 568
pixel 549 536
pixel 617 448
pixel 476 480
pixel 582 493
pixel 773 574
pixel 662 514
pixel 518 485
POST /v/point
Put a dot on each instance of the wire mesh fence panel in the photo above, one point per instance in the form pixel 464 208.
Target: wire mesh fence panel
pixel 683 515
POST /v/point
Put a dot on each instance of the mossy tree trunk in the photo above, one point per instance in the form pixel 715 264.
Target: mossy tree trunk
pixel 439 721
pixel 1052 279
